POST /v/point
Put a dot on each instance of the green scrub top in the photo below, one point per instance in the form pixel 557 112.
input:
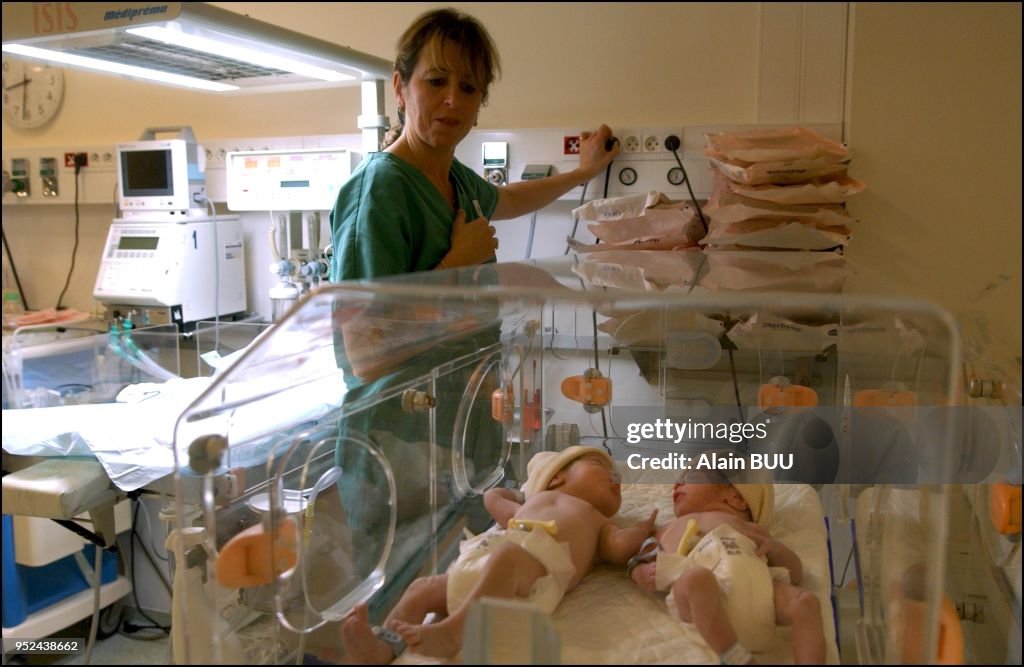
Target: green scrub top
pixel 389 219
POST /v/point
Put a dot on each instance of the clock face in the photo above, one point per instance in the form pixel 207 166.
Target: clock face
pixel 32 92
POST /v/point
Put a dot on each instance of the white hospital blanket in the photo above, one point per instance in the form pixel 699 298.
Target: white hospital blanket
pixel 607 619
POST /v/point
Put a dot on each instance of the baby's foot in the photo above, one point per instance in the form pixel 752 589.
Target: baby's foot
pixel 362 647
pixel 434 639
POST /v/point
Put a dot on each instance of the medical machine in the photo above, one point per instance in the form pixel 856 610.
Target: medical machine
pixel 346 451
pixel 294 186
pixel 169 258
pixel 177 273
pixel 162 178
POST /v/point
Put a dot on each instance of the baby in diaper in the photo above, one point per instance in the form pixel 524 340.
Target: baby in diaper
pixel 724 572
pixel 551 534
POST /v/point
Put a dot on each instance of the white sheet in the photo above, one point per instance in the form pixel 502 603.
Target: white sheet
pixel 607 619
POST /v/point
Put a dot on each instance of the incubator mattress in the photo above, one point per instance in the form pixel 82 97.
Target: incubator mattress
pixel 608 620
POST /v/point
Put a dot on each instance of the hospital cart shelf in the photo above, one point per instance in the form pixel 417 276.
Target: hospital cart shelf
pixel 58 616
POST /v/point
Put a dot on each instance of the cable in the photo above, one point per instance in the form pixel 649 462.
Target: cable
pixel 672 143
pixel 74 251
pixel 135 589
pixel 14 270
pixel 576 222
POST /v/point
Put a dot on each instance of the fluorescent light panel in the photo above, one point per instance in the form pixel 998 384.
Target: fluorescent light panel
pixel 116 68
pixel 242 54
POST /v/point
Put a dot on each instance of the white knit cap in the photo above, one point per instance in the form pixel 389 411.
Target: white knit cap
pixel 760 499
pixel 545 465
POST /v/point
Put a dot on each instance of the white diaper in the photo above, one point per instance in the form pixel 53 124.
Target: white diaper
pixel 547 591
pixel 743 576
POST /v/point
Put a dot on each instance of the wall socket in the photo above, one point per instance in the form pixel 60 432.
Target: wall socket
pixel 653 141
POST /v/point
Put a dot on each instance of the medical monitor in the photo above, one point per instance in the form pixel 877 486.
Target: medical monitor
pixel 160 176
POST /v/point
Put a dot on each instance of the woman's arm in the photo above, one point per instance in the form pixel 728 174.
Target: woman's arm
pixel 524 197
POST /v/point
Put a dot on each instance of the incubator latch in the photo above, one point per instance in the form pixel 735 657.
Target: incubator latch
pixel 417 401
pixel 205 452
pixel 980 388
pixel 591 389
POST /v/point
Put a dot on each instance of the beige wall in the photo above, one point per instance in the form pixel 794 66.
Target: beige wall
pixel 934 125
pixel 619 63
pixel 933 113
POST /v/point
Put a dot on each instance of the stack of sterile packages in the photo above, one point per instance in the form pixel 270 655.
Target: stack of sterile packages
pixel 649 221
pixel 778 189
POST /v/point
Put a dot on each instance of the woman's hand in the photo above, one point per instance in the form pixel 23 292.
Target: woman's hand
pixel 594 155
pixel 472 242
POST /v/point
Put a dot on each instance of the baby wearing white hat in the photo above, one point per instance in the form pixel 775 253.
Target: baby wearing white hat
pixel 725 573
pixel 552 534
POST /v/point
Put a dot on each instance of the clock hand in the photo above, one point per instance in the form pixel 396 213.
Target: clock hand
pixel 20 83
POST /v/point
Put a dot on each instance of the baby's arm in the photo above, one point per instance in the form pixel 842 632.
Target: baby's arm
pixel 502 504
pixel 780 555
pixel 617 545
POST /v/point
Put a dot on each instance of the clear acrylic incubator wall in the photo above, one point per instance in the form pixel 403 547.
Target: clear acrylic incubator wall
pixel 345 452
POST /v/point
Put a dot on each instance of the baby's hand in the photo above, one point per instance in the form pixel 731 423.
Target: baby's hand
pixel 650 523
pixel 643 575
pixel 769 547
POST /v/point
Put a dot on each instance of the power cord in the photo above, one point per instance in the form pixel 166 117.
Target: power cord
pixel 14 270
pixel 672 143
pixel 80 159
pixel 608 145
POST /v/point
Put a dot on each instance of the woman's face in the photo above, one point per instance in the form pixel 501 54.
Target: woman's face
pixel 441 98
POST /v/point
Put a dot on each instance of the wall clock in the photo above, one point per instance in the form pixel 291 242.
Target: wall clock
pixel 32 92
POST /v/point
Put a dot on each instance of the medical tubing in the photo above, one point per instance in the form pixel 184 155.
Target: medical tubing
pixel 216 275
pixel 832 581
pixel 689 188
pixel 136 357
pixel 856 565
pixel 529 239
pixel 274 252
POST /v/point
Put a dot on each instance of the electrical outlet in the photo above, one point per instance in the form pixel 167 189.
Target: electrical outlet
pixel 571 145
pixel 654 139
pixel 631 144
pixel 69 159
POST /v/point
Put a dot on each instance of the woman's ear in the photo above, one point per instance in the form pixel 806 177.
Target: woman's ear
pixel 396 83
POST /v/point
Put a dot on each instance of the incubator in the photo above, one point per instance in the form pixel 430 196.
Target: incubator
pixel 346 450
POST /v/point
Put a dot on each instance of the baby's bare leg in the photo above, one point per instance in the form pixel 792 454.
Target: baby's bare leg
pixel 363 647
pixel 698 600
pixel 801 610
pixel 510 571
pixel 424 595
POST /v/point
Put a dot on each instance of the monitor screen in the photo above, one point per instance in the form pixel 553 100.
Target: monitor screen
pixel 138 243
pixel 146 173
